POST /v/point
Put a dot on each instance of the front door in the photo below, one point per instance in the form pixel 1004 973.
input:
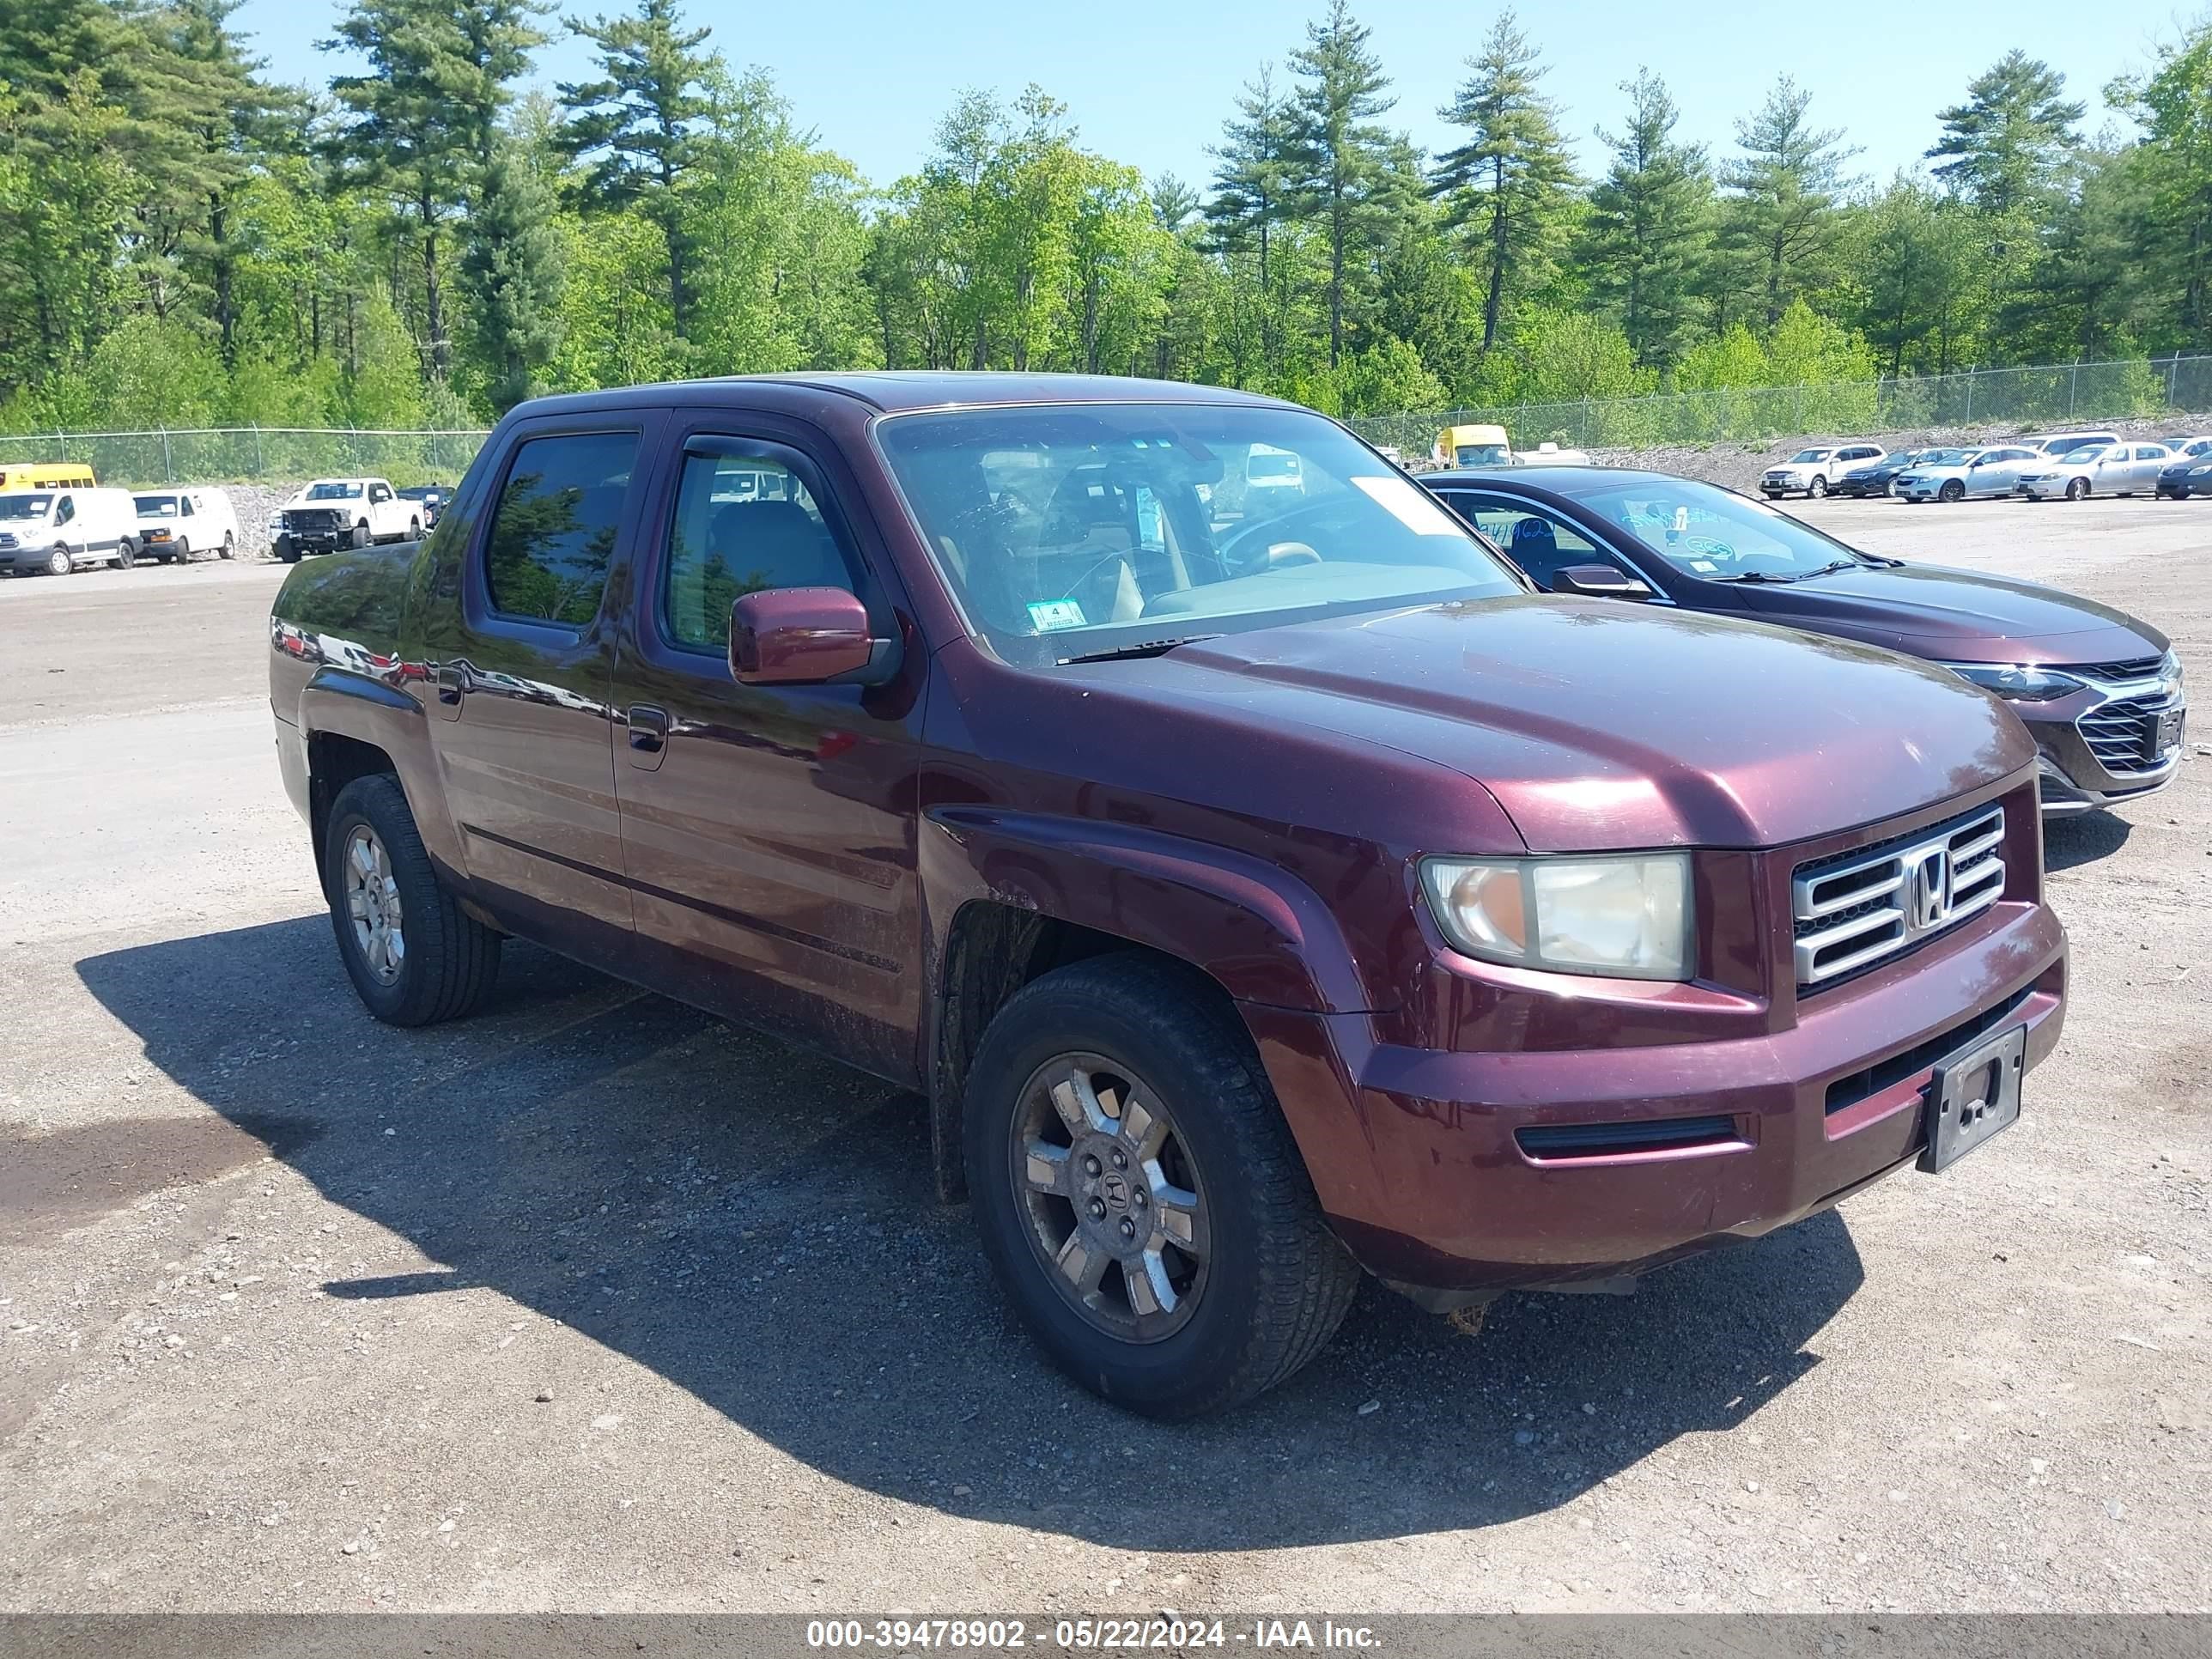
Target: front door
pixel 521 672
pixel 770 832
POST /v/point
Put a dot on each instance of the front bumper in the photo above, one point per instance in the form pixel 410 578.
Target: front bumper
pixel 2072 776
pixel 1444 1192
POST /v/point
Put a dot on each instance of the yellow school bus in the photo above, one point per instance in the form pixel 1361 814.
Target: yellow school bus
pixel 46 475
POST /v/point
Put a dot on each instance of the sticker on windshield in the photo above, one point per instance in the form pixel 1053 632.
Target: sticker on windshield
pixel 1149 536
pixel 1703 564
pixel 1049 615
pixel 1408 505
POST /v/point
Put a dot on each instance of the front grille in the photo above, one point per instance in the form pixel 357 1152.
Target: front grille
pixel 1846 1092
pixel 1851 910
pixel 2121 734
pixel 2134 668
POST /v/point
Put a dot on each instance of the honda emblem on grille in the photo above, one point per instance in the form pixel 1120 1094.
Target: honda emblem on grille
pixel 1927 893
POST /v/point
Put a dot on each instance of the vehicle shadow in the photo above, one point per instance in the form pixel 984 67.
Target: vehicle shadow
pixel 2084 839
pixel 758 1227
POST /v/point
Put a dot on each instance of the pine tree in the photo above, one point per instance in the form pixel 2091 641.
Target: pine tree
pixel 1649 225
pixel 2006 143
pixel 1510 180
pixel 638 125
pixel 1337 149
pixel 1783 188
pixel 513 268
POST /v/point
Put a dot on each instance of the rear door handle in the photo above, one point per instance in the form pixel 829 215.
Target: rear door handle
pixel 649 735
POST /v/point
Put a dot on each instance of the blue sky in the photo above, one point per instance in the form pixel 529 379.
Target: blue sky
pixel 1149 82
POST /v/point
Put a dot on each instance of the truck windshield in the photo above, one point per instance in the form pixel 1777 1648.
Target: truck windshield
pixel 25 507
pixel 157 507
pixel 1069 530
pixel 332 492
pixel 1481 455
pixel 1715 534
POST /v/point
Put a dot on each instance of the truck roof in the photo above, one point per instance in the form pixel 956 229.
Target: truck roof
pixel 896 390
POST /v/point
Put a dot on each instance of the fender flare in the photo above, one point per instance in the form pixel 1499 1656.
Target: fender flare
pixel 341 702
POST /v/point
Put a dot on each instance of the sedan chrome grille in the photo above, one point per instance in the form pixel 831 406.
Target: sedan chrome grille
pixel 2122 734
pixel 1854 910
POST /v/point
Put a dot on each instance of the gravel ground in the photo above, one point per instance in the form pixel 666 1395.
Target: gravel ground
pixel 592 1303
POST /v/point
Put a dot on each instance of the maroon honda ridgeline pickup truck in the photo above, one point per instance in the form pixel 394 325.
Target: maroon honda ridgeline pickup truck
pixel 1262 882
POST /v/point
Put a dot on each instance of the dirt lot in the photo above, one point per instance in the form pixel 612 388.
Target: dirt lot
pixel 594 1304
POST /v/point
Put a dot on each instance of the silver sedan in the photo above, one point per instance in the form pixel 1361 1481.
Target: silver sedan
pixel 2121 468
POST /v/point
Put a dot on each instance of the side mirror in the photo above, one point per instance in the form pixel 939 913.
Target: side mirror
pixel 1599 581
pixel 806 636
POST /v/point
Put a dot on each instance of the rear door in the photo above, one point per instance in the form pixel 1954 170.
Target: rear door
pixel 2148 459
pixel 769 831
pixel 521 658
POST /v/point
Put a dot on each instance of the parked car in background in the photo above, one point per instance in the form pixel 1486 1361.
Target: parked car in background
pixel 2114 469
pixel 334 513
pixel 1875 478
pixel 1811 472
pixel 430 498
pixel 2102 691
pixel 2188 470
pixel 2060 443
pixel 177 525
pixel 1551 454
pixel 57 531
pixel 1256 898
pixel 1959 475
pixel 17 476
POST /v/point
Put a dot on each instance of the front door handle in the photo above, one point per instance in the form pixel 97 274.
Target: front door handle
pixel 453 681
pixel 649 735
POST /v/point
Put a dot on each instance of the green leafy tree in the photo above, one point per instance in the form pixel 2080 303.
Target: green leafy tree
pixel 1649 228
pixel 2173 102
pixel 1510 182
pixel 637 126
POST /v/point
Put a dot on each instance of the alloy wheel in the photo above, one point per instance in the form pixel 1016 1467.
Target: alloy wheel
pixel 1115 1209
pixel 372 897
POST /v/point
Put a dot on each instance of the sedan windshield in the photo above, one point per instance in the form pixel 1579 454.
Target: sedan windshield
pixel 25 507
pixel 333 491
pixel 1074 530
pixel 157 507
pixel 1715 534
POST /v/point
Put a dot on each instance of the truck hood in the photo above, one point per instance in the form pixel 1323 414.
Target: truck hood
pixel 1599 726
pixel 1956 616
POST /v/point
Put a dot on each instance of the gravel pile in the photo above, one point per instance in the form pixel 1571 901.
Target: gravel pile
pixel 1739 464
pixel 256 506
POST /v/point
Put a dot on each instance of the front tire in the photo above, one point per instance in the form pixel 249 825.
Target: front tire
pixel 1819 488
pixel 1140 1195
pixel 1952 491
pixel 287 551
pixel 126 554
pixel 2076 488
pixel 361 536
pixel 60 561
pixel 414 956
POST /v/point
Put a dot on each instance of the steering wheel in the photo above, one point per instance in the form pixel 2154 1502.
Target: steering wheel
pixel 1238 553
pixel 1279 555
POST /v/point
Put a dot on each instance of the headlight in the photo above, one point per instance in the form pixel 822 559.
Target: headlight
pixel 1627 917
pixel 2016 682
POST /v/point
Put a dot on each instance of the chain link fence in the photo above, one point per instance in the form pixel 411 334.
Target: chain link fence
pixel 2045 395
pixel 2066 392
pixel 253 454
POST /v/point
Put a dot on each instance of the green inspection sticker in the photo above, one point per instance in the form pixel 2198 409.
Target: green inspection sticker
pixel 1051 614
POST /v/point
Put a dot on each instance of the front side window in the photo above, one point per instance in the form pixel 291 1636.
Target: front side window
pixel 1715 534
pixel 553 532
pixel 1068 530
pixel 1543 544
pixel 66 511
pixel 743 524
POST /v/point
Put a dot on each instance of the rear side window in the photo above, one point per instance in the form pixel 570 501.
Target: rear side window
pixel 743 524
pixel 553 532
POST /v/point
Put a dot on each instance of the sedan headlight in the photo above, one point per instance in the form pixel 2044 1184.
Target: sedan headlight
pixel 2016 682
pixel 1625 917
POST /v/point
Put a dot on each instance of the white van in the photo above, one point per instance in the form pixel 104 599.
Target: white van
pixel 178 526
pixel 58 531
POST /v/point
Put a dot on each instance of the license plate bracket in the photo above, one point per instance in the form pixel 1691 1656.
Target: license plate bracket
pixel 1971 1095
pixel 2165 734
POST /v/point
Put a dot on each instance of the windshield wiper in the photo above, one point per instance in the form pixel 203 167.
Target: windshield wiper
pixel 1795 576
pixel 1148 649
pixel 1756 576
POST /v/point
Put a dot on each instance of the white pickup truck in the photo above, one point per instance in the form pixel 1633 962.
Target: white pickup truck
pixel 334 513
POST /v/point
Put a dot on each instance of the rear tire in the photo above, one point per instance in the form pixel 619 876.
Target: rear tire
pixel 414 530
pixel 1265 1283
pixel 229 546
pixel 414 956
